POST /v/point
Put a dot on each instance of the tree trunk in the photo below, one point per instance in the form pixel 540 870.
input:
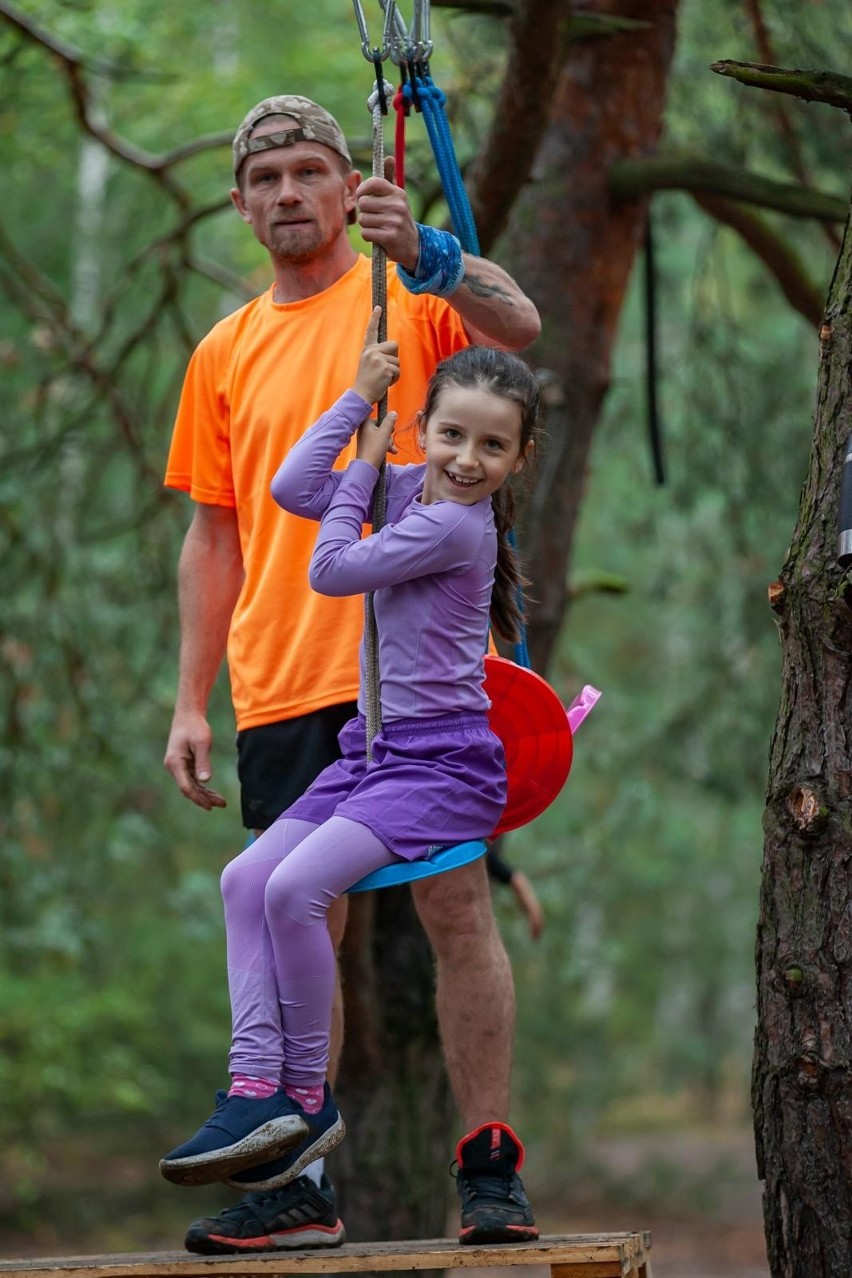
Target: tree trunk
pixel 392 1170
pixel 803 1044
pixel 572 248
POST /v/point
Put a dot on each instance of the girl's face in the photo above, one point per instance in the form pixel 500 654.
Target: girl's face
pixel 472 443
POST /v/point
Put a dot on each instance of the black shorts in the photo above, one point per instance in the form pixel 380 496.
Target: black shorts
pixel 276 762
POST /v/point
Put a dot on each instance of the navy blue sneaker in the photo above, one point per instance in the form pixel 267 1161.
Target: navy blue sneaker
pixel 325 1131
pixel 241 1132
pixel 300 1215
pixel 494 1207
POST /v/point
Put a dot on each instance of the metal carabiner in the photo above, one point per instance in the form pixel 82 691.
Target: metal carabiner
pixel 375 53
pixel 420 31
pixel 400 41
pixel 362 28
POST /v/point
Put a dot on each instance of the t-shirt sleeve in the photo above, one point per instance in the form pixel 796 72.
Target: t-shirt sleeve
pixel 448 331
pixel 199 460
pixel 440 537
pixel 428 314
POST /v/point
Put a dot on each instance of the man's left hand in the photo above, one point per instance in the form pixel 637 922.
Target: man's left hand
pixel 385 219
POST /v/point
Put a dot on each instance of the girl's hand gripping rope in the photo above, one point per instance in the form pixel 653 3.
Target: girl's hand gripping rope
pixel 378 369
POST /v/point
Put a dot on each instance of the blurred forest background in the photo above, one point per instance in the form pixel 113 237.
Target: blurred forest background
pixel 636 1007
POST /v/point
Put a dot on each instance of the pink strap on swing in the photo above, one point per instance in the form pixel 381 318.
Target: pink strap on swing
pixel 582 705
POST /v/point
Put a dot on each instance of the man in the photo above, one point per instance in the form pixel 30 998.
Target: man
pixel 256 381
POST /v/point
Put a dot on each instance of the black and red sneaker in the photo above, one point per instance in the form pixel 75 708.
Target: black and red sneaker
pixel 494 1207
pixel 301 1214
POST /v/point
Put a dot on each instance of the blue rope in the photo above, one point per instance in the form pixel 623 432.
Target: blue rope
pixel 426 94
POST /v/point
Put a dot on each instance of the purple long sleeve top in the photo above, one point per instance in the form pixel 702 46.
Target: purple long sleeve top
pixel 430 568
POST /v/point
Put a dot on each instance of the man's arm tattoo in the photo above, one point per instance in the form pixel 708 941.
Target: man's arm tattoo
pixel 480 288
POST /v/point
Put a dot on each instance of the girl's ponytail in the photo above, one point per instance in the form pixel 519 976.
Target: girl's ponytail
pixel 509 582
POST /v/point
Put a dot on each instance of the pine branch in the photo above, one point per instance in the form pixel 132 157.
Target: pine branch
pixel 77 66
pixel 811 86
pixel 634 177
pixel 773 250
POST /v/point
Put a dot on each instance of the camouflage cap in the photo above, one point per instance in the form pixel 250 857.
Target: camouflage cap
pixel 315 124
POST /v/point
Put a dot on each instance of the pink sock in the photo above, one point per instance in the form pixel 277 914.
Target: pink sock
pixel 252 1088
pixel 310 1098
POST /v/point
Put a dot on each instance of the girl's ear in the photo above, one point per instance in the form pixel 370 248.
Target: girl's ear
pixel 523 458
pixel 420 422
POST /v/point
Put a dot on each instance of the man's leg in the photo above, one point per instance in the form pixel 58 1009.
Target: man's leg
pixel 475 991
pixel 476 1014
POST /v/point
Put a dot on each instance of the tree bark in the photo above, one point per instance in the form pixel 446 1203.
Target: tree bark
pixel 392 1170
pixel 803 1044
pixel 572 247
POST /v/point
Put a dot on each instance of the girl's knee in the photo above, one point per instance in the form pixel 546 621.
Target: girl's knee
pixel 232 881
pixel 293 896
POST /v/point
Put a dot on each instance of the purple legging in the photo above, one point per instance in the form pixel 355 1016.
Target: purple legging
pixel 281 964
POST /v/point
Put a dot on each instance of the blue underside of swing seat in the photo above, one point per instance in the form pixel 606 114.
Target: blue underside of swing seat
pixel 409 871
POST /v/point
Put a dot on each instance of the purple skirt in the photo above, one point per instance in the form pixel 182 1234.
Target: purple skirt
pixel 430 784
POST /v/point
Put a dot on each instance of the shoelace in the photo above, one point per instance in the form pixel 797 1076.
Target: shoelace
pixel 251 1203
pixel 481 1185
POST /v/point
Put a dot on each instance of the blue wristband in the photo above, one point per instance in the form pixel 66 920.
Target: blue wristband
pixel 439 268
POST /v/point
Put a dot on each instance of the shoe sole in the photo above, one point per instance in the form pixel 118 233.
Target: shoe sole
pixel 481 1234
pixel 323 1145
pixel 266 1143
pixel 301 1238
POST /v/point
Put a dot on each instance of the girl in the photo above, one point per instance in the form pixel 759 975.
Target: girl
pixel 439 568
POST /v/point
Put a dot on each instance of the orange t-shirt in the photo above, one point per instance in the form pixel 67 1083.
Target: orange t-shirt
pixel 254 385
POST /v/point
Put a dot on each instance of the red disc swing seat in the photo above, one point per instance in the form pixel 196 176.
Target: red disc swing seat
pixel 531 721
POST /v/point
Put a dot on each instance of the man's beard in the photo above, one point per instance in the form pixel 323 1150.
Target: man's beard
pixel 290 244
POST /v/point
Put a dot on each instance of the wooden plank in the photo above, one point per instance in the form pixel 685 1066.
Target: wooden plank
pixel 618 1254
pixel 633 1261
pixel 597 1269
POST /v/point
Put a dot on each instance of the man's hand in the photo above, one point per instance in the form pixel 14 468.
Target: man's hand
pixel 188 759
pixel 385 218
pixel 378 367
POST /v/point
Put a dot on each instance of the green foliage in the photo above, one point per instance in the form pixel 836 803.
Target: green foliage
pixel 112 984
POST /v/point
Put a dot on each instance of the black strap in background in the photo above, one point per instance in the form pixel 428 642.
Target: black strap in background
pixel 655 433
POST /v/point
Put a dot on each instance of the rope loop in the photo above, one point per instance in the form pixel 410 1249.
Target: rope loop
pixel 383 92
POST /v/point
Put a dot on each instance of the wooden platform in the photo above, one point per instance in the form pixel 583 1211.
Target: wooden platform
pixel 625 1255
